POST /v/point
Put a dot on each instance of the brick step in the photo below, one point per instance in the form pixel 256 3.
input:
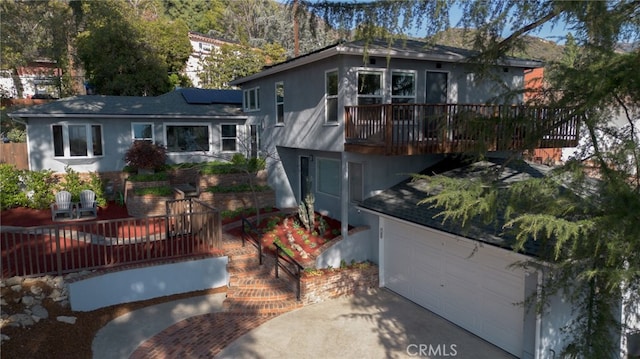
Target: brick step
pixel 258 307
pixel 258 282
pixel 247 294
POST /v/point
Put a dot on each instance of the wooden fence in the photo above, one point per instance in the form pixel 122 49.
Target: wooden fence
pixel 72 247
pixel 14 154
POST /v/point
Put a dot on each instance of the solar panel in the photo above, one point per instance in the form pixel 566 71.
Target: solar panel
pixel 206 96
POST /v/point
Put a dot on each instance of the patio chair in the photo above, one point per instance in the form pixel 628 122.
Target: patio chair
pixel 63 205
pixel 87 203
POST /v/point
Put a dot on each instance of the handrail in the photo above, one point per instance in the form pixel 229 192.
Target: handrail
pixel 296 274
pixel 250 236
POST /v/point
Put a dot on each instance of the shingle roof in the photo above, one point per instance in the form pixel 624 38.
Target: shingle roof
pixel 401 200
pixel 173 104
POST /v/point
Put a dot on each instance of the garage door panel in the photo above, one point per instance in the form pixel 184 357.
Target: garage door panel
pixel 465 283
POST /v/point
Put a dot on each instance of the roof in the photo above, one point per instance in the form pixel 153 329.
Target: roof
pixel 401 200
pixel 180 103
pixel 398 48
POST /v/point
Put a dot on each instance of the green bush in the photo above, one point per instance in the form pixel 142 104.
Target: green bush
pixel 149 177
pixel 237 188
pixel 155 191
pixel 11 194
pixel 41 185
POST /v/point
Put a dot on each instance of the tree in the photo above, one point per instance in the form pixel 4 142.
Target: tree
pixel 587 226
pixel 124 55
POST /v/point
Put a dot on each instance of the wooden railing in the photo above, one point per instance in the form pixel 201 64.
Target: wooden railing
pixel 447 128
pixel 72 247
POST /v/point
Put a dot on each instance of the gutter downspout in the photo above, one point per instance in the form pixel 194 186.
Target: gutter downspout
pixel 344 194
pixel 538 339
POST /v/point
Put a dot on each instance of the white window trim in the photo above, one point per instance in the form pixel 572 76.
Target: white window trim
pixel 275 88
pixel 65 139
pixel 245 104
pixel 183 124
pixel 238 130
pixel 415 84
pixel 327 97
pixel 133 134
pixel 383 88
pixel 318 184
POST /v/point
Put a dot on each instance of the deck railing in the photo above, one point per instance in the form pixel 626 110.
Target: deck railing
pixel 446 128
pixel 76 246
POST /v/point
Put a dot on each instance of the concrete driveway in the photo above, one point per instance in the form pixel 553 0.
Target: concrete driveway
pixel 380 324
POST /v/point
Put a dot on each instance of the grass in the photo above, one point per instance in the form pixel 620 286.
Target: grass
pixel 237 188
pixel 155 191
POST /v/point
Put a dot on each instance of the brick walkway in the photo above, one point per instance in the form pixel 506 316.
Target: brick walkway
pixel 254 297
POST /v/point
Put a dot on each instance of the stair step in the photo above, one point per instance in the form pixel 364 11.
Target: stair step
pixel 255 294
pixel 260 307
pixel 257 282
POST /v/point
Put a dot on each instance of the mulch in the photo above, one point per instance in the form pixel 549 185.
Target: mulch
pixel 28 217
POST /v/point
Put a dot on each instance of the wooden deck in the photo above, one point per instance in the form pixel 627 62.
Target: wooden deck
pixel 414 129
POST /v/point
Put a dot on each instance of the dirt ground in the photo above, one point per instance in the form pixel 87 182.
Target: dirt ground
pixel 52 339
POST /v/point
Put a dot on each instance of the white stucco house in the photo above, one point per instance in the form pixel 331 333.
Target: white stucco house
pixel 351 122
pixel 92 133
pixel 202 46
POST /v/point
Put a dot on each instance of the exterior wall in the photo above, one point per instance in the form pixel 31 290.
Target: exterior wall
pixel 357 246
pixel 116 140
pixel 143 283
pixel 338 283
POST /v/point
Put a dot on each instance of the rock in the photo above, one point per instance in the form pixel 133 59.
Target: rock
pixel 35 290
pixel 4 337
pixel 39 311
pixel 10 282
pixel 27 300
pixel 16 288
pixel 21 319
pixel 66 319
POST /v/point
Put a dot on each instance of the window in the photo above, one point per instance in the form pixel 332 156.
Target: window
pixel 252 99
pixel 77 140
pixel 436 87
pixel 355 182
pixel 187 138
pixel 403 87
pixel 369 88
pixel 279 103
pixel 142 131
pixel 229 137
pixel 329 176
pixel 331 96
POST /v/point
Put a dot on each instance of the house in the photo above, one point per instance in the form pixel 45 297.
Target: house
pixel 351 122
pixel 39 79
pixel 92 133
pixel 202 45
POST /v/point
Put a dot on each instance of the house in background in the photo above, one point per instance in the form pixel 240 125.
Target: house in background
pixel 92 133
pixel 202 45
pixel 351 122
pixel 39 79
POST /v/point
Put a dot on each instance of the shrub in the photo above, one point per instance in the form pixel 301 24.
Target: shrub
pixel 149 177
pixel 146 155
pixel 11 194
pixel 155 191
pixel 41 186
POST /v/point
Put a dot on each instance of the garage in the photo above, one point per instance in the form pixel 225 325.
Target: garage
pixel 464 281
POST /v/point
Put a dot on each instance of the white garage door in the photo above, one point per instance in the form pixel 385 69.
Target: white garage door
pixel 464 282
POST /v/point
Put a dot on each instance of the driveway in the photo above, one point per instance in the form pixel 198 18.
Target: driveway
pixel 379 324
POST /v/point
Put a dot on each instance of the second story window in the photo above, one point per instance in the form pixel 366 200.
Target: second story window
pixel 331 96
pixel 403 87
pixel 280 103
pixel 369 88
pixel 251 99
